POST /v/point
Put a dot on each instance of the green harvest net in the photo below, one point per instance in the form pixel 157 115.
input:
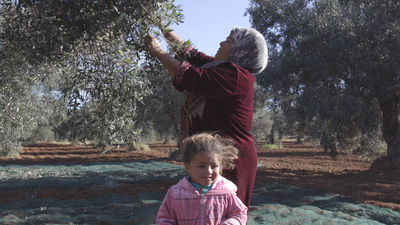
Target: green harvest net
pixel 81 175
pixel 271 204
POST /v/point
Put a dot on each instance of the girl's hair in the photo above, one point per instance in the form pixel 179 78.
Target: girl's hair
pixel 210 142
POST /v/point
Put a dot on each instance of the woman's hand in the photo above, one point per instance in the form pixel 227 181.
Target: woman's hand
pixel 174 38
pixel 152 45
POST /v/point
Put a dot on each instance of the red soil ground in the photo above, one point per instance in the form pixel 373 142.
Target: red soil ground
pixel 296 164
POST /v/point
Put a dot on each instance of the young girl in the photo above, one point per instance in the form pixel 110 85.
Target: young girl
pixel 204 196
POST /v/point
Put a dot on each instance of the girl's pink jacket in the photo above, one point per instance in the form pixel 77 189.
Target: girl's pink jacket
pixel 183 204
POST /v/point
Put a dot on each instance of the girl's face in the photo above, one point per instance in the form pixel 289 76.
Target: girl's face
pixel 204 168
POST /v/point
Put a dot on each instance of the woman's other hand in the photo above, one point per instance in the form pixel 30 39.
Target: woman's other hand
pixel 152 45
pixel 174 40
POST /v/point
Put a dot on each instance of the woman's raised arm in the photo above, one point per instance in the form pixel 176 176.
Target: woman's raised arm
pixel 173 38
pixel 154 47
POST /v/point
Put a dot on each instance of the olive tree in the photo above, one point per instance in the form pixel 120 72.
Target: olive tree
pixel 262 122
pixel 26 103
pixel 159 113
pixel 335 63
pixel 98 48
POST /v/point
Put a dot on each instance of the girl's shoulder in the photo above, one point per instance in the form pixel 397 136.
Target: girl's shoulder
pixel 224 186
pixel 182 186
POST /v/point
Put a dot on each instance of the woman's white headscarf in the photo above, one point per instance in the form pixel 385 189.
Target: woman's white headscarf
pixel 249 49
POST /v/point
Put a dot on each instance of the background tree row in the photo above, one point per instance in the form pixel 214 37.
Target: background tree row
pixel 334 68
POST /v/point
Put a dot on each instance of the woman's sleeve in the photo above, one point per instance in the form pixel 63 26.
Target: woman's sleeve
pixel 194 57
pixel 166 213
pixel 215 82
pixel 237 212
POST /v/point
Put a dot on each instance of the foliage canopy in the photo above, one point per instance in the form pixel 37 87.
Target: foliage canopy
pixel 94 50
pixel 335 64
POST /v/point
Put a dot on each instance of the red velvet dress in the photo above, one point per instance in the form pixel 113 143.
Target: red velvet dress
pixel 221 100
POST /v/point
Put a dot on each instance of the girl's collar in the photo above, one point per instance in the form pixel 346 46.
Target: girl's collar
pixel 202 189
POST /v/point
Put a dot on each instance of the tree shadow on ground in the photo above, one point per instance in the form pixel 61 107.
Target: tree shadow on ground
pixel 362 185
pixel 289 204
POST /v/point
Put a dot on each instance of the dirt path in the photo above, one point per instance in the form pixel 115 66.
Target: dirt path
pixel 295 164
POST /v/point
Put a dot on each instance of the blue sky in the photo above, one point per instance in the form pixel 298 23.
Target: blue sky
pixel 208 22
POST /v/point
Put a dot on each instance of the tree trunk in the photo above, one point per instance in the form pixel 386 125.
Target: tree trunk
pixel 271 138
pixel 391 126
pixel 299 141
